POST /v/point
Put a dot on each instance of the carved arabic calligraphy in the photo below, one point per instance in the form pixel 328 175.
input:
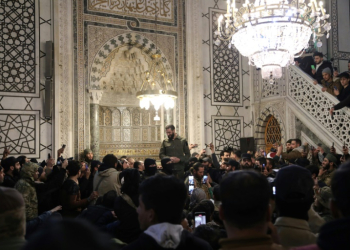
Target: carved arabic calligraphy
pixel 146 8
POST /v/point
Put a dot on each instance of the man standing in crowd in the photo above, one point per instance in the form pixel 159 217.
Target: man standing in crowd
pixel 288 146
pixel 211 170
pixel 88 156
pixel 199 181
pixel 245 211
pixel 161 203
pixel 12 219
pixel 294 154
pixel 327 170
pixel 11 169
pixel 232 165
pixel 320 66
pixel 175 148
pixel 344 80
pixel 335 234
pixel 294 196
pixel 327 82
pixel 246 162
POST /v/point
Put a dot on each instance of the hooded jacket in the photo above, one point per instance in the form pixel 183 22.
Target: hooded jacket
pixel 26 186
pixel 167 236
pixel 106 179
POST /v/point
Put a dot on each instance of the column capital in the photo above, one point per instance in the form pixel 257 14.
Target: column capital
pixel 95 96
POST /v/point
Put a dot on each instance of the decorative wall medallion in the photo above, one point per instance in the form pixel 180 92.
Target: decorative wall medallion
pixel 226 131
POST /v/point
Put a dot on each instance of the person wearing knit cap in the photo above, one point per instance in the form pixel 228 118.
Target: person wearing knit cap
pixel 12 219
pixel 328 84
pixel 320 64
pixel 327 169
pixel 88 156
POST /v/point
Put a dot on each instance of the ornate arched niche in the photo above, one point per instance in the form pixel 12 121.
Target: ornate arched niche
pixel 264 119
pixel 117 70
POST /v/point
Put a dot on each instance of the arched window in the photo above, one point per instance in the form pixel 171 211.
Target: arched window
pixel 272 132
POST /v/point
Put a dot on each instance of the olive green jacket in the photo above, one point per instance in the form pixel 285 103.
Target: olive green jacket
pixel 178 147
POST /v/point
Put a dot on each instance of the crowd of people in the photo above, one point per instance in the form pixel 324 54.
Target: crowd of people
pixel 323 73
pixel 292 198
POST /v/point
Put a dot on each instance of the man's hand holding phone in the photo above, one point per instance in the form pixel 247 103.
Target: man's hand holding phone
pixel 60 151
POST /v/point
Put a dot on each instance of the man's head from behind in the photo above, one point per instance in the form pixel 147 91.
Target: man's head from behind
pixel 161 199
pixel 110 160
pixel 340 204
pixel 170 131
pixel 245 200
pixel 12 214
pixel 294 192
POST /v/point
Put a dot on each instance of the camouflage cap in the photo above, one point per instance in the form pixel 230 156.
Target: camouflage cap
pixel 87 151
pixel 331 158
pixel 324 195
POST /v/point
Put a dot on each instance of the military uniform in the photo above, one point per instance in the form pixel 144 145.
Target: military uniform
pixel 327 177
pixel 178 147
pixel 26 186
pixel 200 184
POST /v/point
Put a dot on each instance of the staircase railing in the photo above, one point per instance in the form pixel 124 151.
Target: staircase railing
pixel 314 104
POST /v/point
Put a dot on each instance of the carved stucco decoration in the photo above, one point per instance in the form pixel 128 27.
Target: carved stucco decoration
pixel 105 56
pixel 139 8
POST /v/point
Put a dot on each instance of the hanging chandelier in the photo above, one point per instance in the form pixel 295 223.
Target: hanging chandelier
pixel 272 32
pixel 157 88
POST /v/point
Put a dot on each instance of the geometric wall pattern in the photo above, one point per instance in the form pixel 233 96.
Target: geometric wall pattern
pixel 227 131
pixel 19 132
pixel 17 46
pixel 226 79
pixel 25 26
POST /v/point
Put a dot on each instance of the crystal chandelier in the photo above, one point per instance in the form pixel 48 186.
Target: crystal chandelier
pixel 272 32
pixel 157 88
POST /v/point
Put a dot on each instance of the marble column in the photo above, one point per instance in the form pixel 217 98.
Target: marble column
pixel 195 112
pixel 95 98
pixel 168 117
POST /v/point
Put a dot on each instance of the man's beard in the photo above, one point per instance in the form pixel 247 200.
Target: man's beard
pixel 327 166
pixel 171 136
pixel 246 166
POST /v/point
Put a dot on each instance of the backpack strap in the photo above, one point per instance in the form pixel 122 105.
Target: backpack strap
pixel 128 200
pixel 98 184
